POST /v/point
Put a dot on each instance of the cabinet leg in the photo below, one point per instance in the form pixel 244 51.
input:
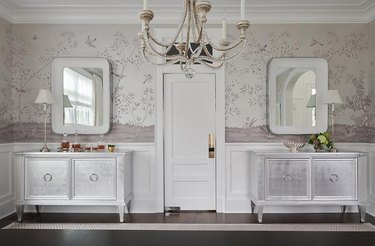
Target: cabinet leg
pixel 19 211
pixel 121 211
pixel 37 208
pixel 252 207
pixel 343 209
pixel 128 207
pixel 362 213
pixel 260 213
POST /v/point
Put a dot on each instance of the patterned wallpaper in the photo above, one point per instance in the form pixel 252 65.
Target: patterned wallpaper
pixel 346 48
pixel 5 81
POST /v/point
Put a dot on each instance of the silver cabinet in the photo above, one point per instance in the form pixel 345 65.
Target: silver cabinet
pixel 308 178
pixel 98 179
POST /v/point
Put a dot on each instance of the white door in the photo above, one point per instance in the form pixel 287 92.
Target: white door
pixel 189 119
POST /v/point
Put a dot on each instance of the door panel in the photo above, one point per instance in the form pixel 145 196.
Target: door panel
pixel 189 119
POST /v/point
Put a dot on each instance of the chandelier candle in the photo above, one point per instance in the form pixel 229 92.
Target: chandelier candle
pixel 224 29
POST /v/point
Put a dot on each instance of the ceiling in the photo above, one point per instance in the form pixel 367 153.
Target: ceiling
pixel 169 11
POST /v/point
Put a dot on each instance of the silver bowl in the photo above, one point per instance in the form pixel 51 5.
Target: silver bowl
pixel 293 146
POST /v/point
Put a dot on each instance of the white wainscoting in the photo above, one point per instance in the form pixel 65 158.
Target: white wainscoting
pixel 371 179
pixel 237 179
pixel 6 181
pixel 147 188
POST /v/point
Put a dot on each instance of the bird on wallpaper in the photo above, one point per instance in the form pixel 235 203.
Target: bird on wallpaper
pixel 35 37
pixel 19 90
pixel 315 42
pixel 148 78
pixel 90 42
pixel 263 48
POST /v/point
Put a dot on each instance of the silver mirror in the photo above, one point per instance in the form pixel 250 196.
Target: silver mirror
pixel 82 90
pixel 297 87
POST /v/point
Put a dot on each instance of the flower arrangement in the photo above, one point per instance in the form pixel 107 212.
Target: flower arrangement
pixel 321 141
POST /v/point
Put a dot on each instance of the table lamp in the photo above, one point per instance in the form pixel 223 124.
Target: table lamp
pixel 333 97
pixel 44 97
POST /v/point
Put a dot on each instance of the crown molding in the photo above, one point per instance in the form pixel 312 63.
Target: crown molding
pixel 170 14
pixel 6 12
pixel 370 13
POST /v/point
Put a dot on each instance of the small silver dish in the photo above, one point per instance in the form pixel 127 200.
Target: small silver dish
pixel 293 146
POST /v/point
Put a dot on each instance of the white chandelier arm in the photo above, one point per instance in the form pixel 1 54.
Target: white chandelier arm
pixel 210 57
pixel 223 49
pixel 167 48
pixel 210 65
pixel 155 51
pixel 224 56
pixel 167 57
pixel 171 60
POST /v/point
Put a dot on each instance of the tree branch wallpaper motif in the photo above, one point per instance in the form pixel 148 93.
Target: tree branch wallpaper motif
pixel 27 51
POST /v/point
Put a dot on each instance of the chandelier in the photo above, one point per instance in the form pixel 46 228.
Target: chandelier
pixel 191 44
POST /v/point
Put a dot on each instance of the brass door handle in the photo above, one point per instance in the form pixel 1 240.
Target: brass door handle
pixel 211 145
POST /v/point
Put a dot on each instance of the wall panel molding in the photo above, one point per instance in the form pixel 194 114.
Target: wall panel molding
pixel 147 190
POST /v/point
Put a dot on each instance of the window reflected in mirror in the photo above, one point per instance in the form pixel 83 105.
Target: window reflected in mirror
pixel 83 96
pixel 295 97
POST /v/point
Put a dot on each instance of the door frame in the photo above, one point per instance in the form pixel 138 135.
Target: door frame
pixel 220 133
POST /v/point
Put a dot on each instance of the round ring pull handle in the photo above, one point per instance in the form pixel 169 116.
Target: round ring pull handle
pixel 94 177
pixel 333 178
pixel 287 178
pixel 47 177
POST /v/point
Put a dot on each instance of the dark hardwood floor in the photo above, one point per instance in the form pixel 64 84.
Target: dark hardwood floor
pixel 181 238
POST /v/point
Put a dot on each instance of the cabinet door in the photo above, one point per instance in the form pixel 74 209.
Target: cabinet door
pixel 287 179
pixel 95 179
pixel 335 179
pixel 47 178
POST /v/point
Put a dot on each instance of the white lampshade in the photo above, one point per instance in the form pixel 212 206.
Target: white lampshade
pixel 66 102
pixel 333 97
pixel 44 97
pixel 312 102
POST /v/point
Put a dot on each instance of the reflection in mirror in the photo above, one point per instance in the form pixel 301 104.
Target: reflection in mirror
pixel 82 89
pixel 295 87
pixel 83 96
